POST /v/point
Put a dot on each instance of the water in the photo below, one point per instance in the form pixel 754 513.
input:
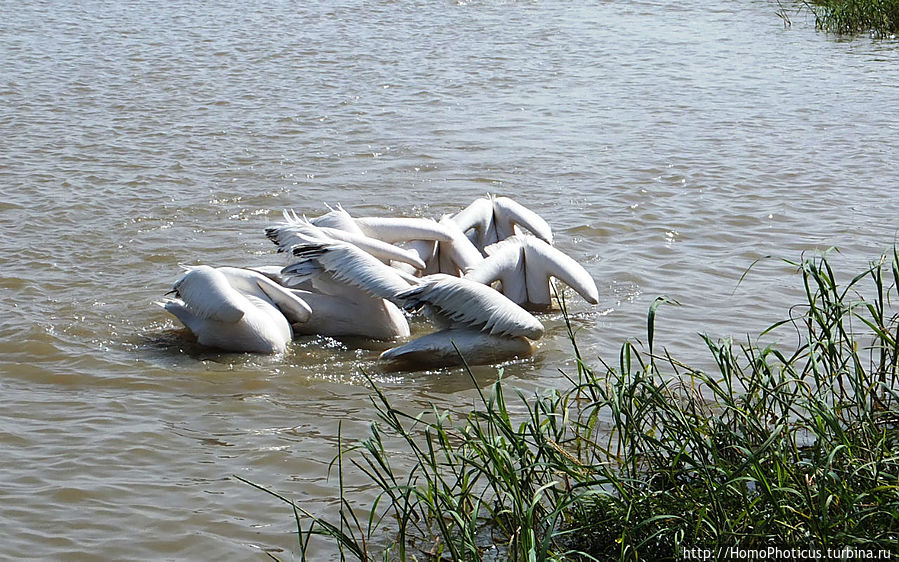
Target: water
pixel 669 146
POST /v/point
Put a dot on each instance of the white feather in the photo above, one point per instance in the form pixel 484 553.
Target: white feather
pixel 505 263
pixel 337 218
pixel 352 313
pixel 350 287
pixel 495 218
pixel 460 251
pixel 401 229
pixel 468 303
pixel 249 282
pixel 295 230
pixel 352 266
pixel 543 261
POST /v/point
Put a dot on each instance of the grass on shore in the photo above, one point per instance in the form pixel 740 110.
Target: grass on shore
pixel 646 457
pixel 881 17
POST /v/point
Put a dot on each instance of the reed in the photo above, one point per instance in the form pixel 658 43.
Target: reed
pixel 881 17
pixel 647 457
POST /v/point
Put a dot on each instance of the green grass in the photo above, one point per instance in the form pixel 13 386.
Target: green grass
pixel 857 16
pixel 645 457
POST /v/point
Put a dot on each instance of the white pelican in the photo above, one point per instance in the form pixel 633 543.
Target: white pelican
pixel 524 264
pixel 438 349
pixel 345 286
pixel 236 309
pixel 347 291
pixel 485 326
pixel 493 219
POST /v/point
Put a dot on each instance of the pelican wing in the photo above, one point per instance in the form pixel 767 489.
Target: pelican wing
pixel 509 213
pixel 468 303
pixel 337 218
pixel 291 306
pixel 349 265
pixel 206 292
pixel 543 260
pixel 295 230
pixel 377 248
pixel 273 272
pixel 403 229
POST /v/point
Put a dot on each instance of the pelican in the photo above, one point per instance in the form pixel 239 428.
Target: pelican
pixel 236 309
pixel 361 276
pixel 477 322
pixel 339 282
pixel 439 349
pixel 483 324
pixel 493 219
pixel 524 265
pixel 326 263
pixel 347 291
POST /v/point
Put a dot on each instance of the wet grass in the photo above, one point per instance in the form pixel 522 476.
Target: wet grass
pixel 646 457
pixel 880 17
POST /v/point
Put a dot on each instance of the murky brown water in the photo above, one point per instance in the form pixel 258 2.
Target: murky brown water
pixel 668 145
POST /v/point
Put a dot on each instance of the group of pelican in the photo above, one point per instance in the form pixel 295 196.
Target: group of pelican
pixel 476 275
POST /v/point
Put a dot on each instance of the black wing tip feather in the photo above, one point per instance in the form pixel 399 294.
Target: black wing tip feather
pixel 308 251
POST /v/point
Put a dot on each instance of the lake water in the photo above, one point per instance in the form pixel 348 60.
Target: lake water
pixel 668 144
